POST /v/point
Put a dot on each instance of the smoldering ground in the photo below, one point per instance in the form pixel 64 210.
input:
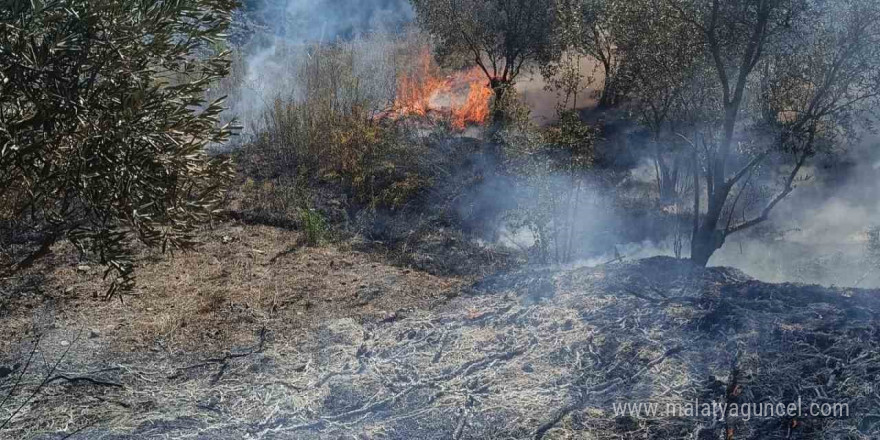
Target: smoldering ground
pixel 275 333
pixel 819 234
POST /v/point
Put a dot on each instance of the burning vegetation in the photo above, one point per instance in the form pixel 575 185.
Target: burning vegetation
pixel 394 247
pixel 462 97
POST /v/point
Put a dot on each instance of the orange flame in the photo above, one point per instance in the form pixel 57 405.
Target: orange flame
pixel 416 88
pixel 421 91
pixel 475 109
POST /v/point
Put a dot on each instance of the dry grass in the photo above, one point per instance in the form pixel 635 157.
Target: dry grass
pixel 331 125
pixel 189 307
pixel 533 353
pixel 243 279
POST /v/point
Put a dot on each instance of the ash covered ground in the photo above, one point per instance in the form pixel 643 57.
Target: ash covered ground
pixel 421 263
pixel 533 353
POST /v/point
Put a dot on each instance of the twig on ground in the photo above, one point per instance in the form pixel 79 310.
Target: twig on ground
pixel 23 370
pixel 223 360
pixel 84 379
pixel 81 428
pixel 601 388
pixel 42 384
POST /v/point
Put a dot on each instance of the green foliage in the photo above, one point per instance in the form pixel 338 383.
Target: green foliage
pixel 313 225
pixel 576 138
pixel 500 36
pixel 103 124
pixel 511 116
pixel 333 135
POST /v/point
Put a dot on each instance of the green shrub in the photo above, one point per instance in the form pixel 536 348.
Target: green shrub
pixel 313 225
pixel 104 125
pixel 336 131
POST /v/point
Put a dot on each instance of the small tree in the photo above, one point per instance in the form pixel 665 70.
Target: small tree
pixel 103 124
pixel 662 56
pixel 599 30
pixel 792 77
pixel 500 36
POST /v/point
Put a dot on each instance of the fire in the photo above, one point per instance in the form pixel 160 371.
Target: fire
pixel 463 96
pixel 475 108
pixel 416 88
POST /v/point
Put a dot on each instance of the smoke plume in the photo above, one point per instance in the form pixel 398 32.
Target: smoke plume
pixel 817 235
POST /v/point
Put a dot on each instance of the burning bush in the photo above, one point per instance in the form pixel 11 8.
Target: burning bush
pixel 475 108
pixel 462 98
pixel 417 86
pixel 334 133
pixel 393 173
pixel 337 122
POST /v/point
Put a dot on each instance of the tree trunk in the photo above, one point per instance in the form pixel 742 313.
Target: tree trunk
pixel 707 238
pixel 500 116
pixel 608 99
pixel 704 245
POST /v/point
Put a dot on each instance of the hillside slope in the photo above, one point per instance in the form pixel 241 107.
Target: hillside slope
pixel 330 343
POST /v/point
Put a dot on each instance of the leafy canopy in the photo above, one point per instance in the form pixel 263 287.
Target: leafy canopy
pixel 500 36
pixel 104 124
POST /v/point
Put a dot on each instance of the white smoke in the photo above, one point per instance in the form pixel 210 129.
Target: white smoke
pixel 820 230
pixel 823 228
pixel 287 31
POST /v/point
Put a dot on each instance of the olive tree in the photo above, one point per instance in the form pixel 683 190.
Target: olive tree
pixel 499 36
pixel 662 59
pixel 601 31
pixel 104 126
pixel 787 78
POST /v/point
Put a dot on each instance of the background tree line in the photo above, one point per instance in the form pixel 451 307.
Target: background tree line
pixel 104 123
pixel 738 95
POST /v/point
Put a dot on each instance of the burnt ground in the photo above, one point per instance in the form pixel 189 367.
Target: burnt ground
pixel 257 336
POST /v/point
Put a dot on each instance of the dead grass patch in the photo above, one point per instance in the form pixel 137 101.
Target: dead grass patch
pixel 241 279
